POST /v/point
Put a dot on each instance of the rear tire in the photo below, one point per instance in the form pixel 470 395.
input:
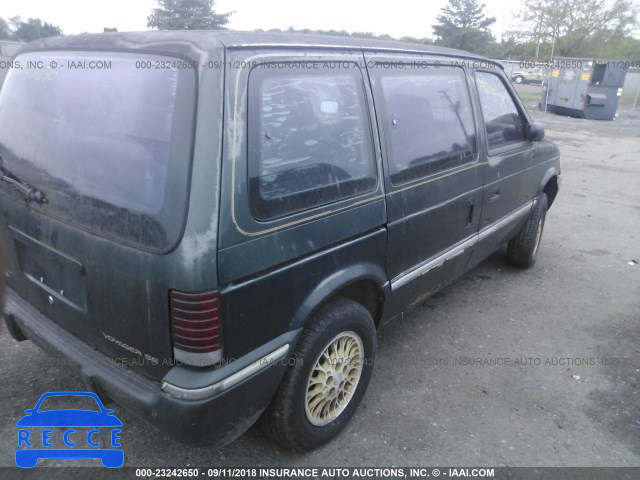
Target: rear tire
pixel 519 80
pixel 326 380
pixel 522 250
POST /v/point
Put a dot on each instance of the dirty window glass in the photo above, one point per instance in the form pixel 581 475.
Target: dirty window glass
pixel 106 141
pixel 309 139
pixel 504 124
pixel 429 122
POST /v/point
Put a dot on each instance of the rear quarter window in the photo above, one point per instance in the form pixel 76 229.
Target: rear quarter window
pixel 310 138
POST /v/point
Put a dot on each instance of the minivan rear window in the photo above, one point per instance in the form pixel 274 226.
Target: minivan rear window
pixel 107 140
pixel 309 138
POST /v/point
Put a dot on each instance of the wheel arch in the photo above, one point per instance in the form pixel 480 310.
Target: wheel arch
pixel 550 185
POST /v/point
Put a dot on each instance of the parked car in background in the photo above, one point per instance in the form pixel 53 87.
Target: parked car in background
pixel 212 225
pixel 534 75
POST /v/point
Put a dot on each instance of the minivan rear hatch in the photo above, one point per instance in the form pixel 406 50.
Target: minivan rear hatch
pixel 95 151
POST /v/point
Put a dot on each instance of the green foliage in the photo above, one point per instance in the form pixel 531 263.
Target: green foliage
pixel 344 33
pixel 509 48
pixel 32 29
pixel 423 41
pixel 578 27
pixel 187 15
pixel 462 24
pixel 614 48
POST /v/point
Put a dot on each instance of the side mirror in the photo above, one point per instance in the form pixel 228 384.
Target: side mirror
pixel 535 132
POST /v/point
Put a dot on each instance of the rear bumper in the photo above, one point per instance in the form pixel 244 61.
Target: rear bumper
pixel 192 405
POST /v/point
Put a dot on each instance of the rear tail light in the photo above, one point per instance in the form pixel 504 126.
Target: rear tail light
pixel 196 327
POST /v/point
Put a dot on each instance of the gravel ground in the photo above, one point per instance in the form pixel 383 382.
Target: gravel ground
pixel 569 329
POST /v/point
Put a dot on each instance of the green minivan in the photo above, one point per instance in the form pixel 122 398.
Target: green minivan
pixel 212 225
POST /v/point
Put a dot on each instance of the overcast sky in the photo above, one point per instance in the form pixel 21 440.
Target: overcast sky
pixel 399 18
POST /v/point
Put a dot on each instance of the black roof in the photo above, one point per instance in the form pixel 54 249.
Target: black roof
pixel 200 40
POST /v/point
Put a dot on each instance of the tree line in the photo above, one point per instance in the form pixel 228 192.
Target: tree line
pixel 572 28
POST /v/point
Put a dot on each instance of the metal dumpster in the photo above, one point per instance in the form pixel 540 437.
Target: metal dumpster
pixel 585 88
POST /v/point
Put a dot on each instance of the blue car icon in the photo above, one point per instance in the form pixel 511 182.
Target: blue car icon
pixel 35 444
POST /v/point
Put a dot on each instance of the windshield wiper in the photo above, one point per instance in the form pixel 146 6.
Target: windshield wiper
pixel 30 193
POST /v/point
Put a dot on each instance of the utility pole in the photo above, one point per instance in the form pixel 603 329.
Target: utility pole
pixel 553 47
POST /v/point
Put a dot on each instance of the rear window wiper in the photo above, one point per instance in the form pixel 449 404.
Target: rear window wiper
pixel 30 193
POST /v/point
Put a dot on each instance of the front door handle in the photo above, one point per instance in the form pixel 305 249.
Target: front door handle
pixel 494 195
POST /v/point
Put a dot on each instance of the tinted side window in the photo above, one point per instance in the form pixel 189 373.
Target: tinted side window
pixel 504 124
pixel 309 138
pixel 429 120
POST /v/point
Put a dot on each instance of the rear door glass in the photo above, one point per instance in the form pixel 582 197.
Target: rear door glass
pixel 309 138
pixel 106 140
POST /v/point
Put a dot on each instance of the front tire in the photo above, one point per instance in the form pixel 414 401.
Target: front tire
pixel 326 380
pixel 519 80
pixel 522 250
